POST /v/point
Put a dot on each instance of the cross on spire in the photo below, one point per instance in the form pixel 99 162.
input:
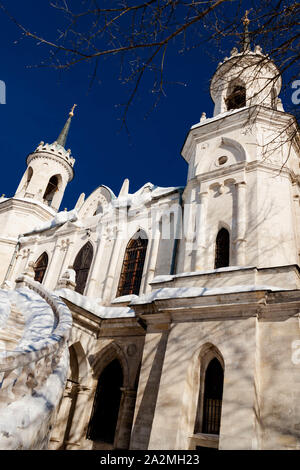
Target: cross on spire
pixel 62 138
pixel 246 36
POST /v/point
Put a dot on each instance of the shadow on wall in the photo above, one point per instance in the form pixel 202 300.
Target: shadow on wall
pixel 141 430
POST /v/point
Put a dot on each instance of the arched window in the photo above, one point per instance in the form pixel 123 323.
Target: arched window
pixel 104 418
pixel 82 265
pixel 40 267
pixel 133 265
pixel 29 176
pixel 237 98
pixel 51 189
pixel 222 249
pixel 212 403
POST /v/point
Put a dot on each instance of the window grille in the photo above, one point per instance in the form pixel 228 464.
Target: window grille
pixel 40 267
pixel 213 391
pixel 133 265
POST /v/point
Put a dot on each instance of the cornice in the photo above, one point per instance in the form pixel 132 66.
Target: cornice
pixel 26 206
pixel 228 122
pixel 264 305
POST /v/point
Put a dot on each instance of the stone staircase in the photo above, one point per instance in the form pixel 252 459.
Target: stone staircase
pixel 11 334
pixel 33 367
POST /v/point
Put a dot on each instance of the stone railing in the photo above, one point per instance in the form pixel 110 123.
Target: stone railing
pixel 32 379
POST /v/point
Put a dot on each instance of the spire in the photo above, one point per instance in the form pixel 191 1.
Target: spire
pixel 246 36
pixel 62 138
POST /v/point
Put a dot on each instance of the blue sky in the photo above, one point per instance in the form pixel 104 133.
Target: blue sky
pixel 39 99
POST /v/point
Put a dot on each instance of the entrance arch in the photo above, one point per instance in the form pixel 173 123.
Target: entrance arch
pixel 104 418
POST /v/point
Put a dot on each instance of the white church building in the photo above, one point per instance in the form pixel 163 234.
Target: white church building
pixel 168 318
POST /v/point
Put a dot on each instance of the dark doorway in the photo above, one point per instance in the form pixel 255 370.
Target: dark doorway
pixel 106 406
pixel 213 391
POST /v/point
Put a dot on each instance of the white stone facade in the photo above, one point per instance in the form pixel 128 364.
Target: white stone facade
pixel 243 178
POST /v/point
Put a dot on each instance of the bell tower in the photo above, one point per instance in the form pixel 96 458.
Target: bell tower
pixel 49 169
pixel 243 191
pixel 246 78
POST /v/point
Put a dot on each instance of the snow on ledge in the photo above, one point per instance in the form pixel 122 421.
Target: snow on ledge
pixel 124 298
pixel 188 292
pixel 36 202
pixel 170 277
pixel 92 305
pixel 59 219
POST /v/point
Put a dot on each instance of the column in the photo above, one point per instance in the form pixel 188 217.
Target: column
pixel 189 230
pixel 68 253
pixel 201 231
pixel 58 433
pixel 95 269
pixel 107 291
pixel 122 438
pixel 80 419
pixel 51 265
pixel 15 272
pixel 240 241
pixel 152 258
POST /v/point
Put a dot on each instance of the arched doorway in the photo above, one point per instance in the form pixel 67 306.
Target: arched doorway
pixel 213 392
pixel 82 265
pixel 104 417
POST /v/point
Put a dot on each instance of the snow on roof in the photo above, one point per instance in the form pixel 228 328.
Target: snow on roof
pixel 59 219
pixel 92 305
pixel 217 117
pixel 187 292
pixel 145 194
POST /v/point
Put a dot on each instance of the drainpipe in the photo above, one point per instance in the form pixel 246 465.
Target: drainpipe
pixel 172 270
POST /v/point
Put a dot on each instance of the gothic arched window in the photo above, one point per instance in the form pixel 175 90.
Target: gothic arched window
pixel 40 267
pixel 212 402
pixel 222 249
pixel 82 265
pixel 51 189
pixel 29 176
pixel 237 98
pixel 104 418
pixel 133 265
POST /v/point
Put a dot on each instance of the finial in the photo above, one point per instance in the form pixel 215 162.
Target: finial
pixel 246 38
pixel 62 138
pixel 71 113
pixel 246 20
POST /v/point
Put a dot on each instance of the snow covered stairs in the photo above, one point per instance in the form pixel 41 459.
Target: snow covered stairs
pixel 11 333
pixel 34 360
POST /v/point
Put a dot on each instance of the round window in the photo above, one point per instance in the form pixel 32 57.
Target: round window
pixel 222 160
